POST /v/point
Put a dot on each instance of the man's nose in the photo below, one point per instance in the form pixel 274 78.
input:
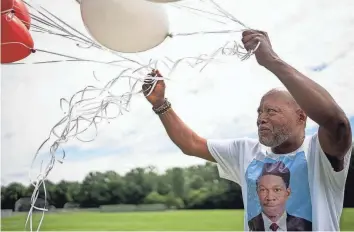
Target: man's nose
pixel 270 196
pixel 261 120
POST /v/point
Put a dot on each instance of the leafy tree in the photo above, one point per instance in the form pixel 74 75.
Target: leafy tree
pixel 194 187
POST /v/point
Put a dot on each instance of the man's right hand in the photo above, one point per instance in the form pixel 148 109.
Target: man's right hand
pixel 157 95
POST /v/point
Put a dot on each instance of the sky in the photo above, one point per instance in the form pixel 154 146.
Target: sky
pixel 219 102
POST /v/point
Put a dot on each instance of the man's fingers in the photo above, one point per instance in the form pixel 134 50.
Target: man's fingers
pixel 250 37
pixel 251 44
pixel 249 32
pixel 146 86
pixel 155 73
pixel 158 74
pixel 152 83
pixel 263 33
pixel 149 82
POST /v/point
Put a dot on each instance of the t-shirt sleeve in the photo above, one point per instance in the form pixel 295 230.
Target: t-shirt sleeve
pixel 335 180
pixel 229 156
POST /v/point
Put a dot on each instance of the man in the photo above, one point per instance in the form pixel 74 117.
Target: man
pixel 318 163
pixel 273 189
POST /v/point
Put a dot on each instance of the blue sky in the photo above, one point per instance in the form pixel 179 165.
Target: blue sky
pixel 219 102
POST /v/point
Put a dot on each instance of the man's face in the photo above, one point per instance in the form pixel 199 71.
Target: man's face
pixel 276 119
pixel 272 194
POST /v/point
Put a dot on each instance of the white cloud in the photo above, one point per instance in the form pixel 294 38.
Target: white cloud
pixel 219 102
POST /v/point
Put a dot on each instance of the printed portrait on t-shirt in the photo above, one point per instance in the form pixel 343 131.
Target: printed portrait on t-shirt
pixel 278 194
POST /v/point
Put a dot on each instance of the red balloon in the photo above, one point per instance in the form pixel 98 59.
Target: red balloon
pixel 21 12
pixel 6 5
pixel 16 41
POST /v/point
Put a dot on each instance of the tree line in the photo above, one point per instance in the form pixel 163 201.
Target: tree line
pixel 194 187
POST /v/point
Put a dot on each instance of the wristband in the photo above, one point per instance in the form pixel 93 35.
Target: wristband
pixel 166 106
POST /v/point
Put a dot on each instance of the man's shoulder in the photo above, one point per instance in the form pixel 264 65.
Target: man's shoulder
pixel 295 220
pixel 247 141
pixel 256 218
pixel 256 223
pixel 249 146
pixel 241 142
pixel 237 140
pixel 234 147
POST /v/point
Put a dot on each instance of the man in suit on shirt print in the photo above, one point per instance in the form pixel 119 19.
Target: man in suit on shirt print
pixel 273 189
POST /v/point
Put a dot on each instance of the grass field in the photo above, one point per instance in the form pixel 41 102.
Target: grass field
pixel 192 220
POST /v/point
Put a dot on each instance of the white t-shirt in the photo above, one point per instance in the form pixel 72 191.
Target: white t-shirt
pixel 315 193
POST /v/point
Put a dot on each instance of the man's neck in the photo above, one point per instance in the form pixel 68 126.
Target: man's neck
pixel 291 145
pixel 275 219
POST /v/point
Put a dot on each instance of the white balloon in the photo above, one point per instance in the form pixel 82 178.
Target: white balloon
pixel 125 25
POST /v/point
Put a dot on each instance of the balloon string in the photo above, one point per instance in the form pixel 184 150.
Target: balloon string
pixel 7 11
pixel 81 108
pixel 229 51
pixel 205 32
pixel 198 12
pixel 32 50
pixel 71 58
pixel 46 18
pixel 51 23
pixel 47 23
pixel 79 35
pixel 90 43
pixel 227 14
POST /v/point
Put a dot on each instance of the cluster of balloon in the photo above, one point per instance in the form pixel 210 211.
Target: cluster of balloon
pixel 16 40
pixel 125 25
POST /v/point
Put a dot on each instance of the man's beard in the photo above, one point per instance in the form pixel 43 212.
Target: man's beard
pixel 278 136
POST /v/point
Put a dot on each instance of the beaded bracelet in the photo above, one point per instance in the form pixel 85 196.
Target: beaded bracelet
pixel 166 106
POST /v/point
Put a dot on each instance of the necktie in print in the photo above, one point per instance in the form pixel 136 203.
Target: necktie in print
pixel 274 227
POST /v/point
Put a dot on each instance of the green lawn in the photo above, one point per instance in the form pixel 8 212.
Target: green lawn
pixel 192 220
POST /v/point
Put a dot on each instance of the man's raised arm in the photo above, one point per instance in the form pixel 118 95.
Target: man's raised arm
pixel 334 128
pixel 185 138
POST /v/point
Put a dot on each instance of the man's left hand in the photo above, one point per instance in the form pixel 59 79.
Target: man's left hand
pixel 264 54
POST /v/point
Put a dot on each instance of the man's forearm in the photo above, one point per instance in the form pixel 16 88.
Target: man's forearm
pixel 178 131
pixel 312 98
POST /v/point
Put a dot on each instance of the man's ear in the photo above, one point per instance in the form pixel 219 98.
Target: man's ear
pixel 302 117
pixel 288 191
